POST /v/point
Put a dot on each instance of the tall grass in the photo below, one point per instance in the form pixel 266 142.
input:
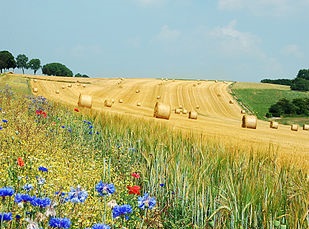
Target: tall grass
pixel 197 182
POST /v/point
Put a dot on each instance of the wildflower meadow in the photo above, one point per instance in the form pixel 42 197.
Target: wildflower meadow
pixel 70 167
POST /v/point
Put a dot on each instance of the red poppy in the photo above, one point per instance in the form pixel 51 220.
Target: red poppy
pixel 76 109
pixel 38 112
pixel 42 113
pixel 134 189
pixel 20 162
pixel 136 175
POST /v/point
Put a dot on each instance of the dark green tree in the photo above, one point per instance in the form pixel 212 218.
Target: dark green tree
pixel 21 62
pixel 300 84
pixel 34 64
pixel 80 75
pixel 56 69
pixel 7 60
pixel 303 73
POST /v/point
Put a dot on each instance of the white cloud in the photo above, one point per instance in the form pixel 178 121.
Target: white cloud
pixel 231 40
pixel 292 50
pixel 166 34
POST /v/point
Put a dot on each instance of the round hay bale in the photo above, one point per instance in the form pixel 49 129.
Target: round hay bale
pixel 249 121
pixel 180 106
pixel 85 101
pixel 69 85
pixel 35 90
pixel 274 125
pixel 139 104
pixel 120 100
pixel 108 103
pixel 305 127
pixel 197 107
pixel 63 87
pixel 184 111
pixel 177 111
pixel 162 111
pixel 158 97
pixel 216 81
pixel 84 85
pixel 35 80
pixel 192 115
pixel 57 91
pixel 294 127
pixel 243 112
pixel 137 91
pixel 78 84
pixel 231 102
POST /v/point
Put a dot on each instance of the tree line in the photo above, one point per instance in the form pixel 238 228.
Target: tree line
pixel 22 62
pixel 300 83
pixel 285 107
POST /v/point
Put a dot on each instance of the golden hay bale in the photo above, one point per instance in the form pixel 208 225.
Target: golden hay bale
pixel 35 90
pixel 243 112
pixel 216 81
pixel 231 102
pixel 120 100
pixel 194 85
pixel 57 91
pixel 78 84
pixel 108 102
pixel 162 111
pixel 138 104
pixel 137 91
pixel 294 127
pixel 158 97
pixel 63 87
pixel 35 80
pixel 69 85
pixel 84 85
pixel 85 101
pixel 177 111
pixel 274 125
pixel 249 121
pixel 180 106
pixel 184 111
pixel 193 115
pixel 305 127
pixel 197 107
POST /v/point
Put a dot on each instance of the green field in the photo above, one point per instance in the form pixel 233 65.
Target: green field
pixel 257 98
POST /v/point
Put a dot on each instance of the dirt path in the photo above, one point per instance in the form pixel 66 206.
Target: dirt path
pixel 217 118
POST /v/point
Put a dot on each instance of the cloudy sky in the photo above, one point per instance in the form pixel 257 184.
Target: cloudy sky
pixel 241 40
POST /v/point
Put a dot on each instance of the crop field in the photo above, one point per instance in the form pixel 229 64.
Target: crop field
pixel 64 166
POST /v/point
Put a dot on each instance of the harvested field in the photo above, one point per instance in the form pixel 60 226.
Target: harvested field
pixel 217 118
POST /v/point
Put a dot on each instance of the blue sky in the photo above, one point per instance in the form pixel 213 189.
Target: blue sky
pixel 241 40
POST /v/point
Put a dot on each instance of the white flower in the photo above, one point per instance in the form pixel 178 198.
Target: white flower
pixel 32 224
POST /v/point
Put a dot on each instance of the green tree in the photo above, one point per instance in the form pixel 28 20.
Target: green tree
pixel 7 60
pixel 56 69
pixel 300 84
pixel 303 73
pixel 34 64
pixel 80 75
pixel 21 62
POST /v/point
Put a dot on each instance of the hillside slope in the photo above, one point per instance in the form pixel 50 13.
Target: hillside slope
pixel 217 117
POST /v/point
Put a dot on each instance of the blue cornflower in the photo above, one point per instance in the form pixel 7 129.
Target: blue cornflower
pixel 100 226
pixel 162 185
pixel 43 169
pixel 40 180
pixel 60 222
pixel 77 195
pixel 28 187
pixel 6 191
pixel 5 216
pixel 4 121
pixel 1 127
pixel 105 189
pixel 23 198
pixel 17 217
pixel 62 127
pixel 146 201
pixel 40 202
pixel 120 210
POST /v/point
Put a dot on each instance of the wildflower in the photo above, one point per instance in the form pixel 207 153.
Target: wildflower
pixel 41 113
pixel 136 175
pixel 40 202
pixel 43 169
pixel 76 109
pixel 122 210
pixel 4 121
pixel 77 195
pixel 162 185
pixel 28 187
pixel 60 222
pixel 22 198
pixel 63 127
pixel 40 180
pixel 50 210
pixel 5 216
pixel 17 217
pixel 134 189
pixel 100 226
pixel 105 189
pixel 32 224
pixel 1 127
pixel 20 162
pixel 6 191
pixel 112 203
pixel 146 201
